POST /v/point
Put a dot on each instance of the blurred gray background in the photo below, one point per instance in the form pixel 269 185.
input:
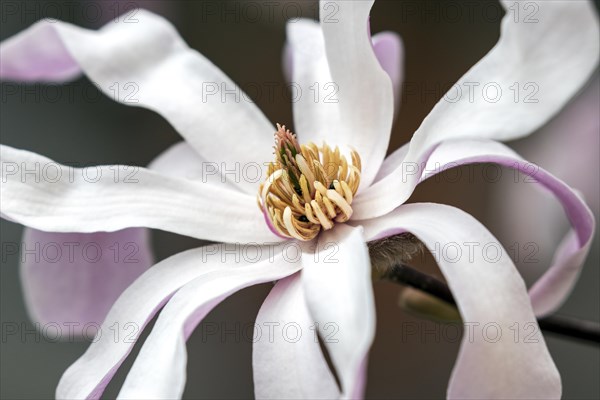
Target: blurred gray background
pixel 74 129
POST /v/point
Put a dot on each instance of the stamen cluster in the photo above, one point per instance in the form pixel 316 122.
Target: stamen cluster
pixel 308 188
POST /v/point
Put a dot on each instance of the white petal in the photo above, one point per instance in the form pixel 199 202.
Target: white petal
pixel 316 111
pixel 552 57
pixel 182 161
pixel 147 64
pixel 58 198
pixel 492 300
pixel 366 98
pixel 316 106
pixel 336 278
pixel 392 162
pixel 159 370
pixel 74 278
pixel 556 53
pixel 289 364
pixel 90 374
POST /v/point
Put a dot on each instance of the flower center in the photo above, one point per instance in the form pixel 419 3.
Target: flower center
pixel 308 187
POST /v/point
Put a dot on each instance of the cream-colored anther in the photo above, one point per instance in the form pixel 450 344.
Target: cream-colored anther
pixel 330 208
pixel 347 192
pixel 289 224
pixel 341 203
pixel 323 220
pixel 304 189
pixel 306 172
pixel 322 189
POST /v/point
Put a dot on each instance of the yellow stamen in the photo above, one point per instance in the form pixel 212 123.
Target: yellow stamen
pixel 309 188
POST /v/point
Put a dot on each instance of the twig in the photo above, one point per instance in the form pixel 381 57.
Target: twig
pixel 560 324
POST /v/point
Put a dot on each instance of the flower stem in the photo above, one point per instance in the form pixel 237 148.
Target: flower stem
pixel 567 326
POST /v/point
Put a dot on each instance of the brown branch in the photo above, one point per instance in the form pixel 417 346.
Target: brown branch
pixel 566 326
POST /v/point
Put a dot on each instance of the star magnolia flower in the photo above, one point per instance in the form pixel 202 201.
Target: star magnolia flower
pixel 558 53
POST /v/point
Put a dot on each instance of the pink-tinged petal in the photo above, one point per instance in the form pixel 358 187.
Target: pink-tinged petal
pixel 138 304
pixel 552 289
pixel 336 279
pixel 389 50
pixel 142 57
pixel 305 67
pixel 159 370
pixel 492 300
pixel 576 133
pixel 567 147
pixel 26 57
pixel 73 279
pixel 366 96
pixel 289 364
pixel 548 61
pixel 109 198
